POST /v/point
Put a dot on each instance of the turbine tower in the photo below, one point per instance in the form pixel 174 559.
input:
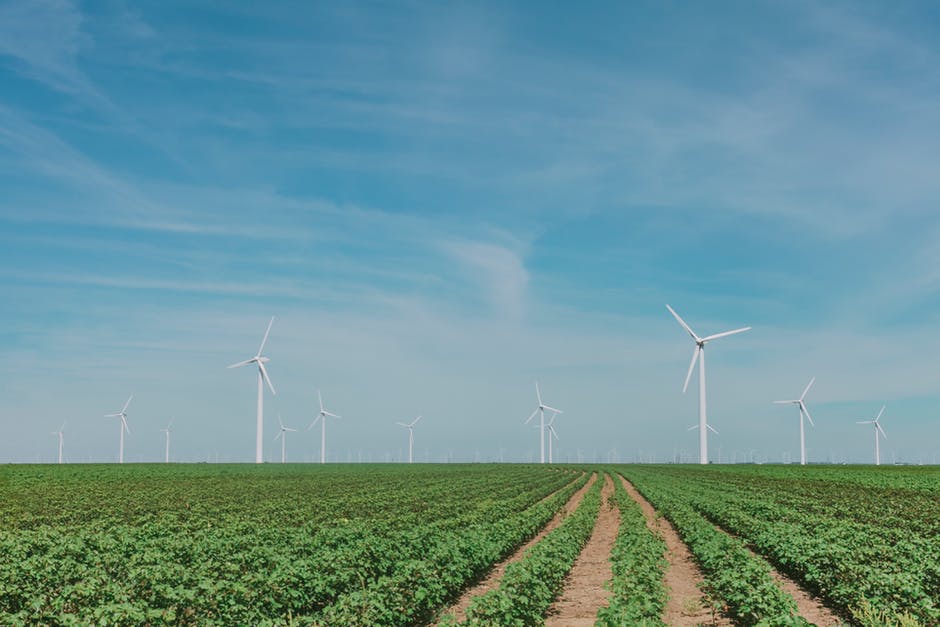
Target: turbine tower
pixel 540 410
pixel 878 430
pixel 799 402
pixel 61 439
pixel 411 434
pixel 322 418
pixel 283 437
pixel 123 416
pixel 262 379
pixel 166 449
pixel 699 355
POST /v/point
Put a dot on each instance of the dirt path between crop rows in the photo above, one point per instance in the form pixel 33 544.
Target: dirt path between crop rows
pixel 491 582
pixel 686 606
pixel 584 592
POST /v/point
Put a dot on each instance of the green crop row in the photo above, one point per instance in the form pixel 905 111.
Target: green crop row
pixel 736 577
pixel 529 586
pixel 421 586
pixel 638 594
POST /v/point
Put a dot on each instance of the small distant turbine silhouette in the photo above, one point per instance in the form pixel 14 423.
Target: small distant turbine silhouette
pixel 540 410
pixel 799 402
pixel 61 435
pixel 878 430
pixel 166 449
pixel 123 416
pixel 283 437
pixel 411 435
pixel 321 416
pixel 262 379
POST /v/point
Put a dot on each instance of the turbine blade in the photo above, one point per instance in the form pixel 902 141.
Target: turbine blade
pixel 864 422
pixel 692 428
pixel 267 379
pixel 883 434
pixel 808 386
pixel 289 429
pixel 785 402
pixel 531 416
pixel 320 398
pixel 331 415
pixel 241 363
pixel 538 393
pixel 805 410
pixel 880 413
pixel 401 424
pixel 312 424
pixel 725 334
pixel 688 376
pixel 124 423
pixel 711 428
pixel 557 411
pixel 279 421
pixel 279 434
pixel 129 398
pixel 415 421
pixel 264 341
pixel 111 415
pixel 682 322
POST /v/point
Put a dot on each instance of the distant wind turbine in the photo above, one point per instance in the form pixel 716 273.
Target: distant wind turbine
pixel 262 379
pixel 61 435
pixel 803 412
pixel 551 434
pixel 699 355
pixel 166 449
pixel 878 430
pixel 411 434
pixel 540 410
pixel 322 418
pixel 282 435
pixel 123 416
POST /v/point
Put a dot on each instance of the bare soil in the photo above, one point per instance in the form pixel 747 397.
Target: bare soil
pixel 491 581
pixel 584 592
pixel 687 606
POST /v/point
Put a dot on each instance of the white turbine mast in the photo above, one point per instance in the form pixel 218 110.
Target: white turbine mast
pixel 166 448
pixel 321 417
pixel 799 402
pixel 123 426
pixel 411 435
pixel 281 434
pixel 262 379
pixel 540 410
pixel 878 430
pixel 698 355
pixel 61 435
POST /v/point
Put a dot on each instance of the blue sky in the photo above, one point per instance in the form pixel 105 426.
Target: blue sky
pixel 442 202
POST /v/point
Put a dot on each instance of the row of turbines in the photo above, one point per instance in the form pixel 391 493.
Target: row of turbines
pixel 703 427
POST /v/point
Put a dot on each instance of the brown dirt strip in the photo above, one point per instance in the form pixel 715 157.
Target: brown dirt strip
pixel 687 606
pixel 491 581
pixel 584 592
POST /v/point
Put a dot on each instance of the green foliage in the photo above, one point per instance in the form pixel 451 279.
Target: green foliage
pixel 638 595
pixel 529 586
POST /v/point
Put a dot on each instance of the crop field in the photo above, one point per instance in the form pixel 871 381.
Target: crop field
pixel 468 544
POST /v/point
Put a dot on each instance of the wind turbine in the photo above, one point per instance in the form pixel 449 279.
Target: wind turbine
pixel 166 450
pixel 803 412
pixel 281 434
pixel 540 410
pixel 877 430
pixel 322 418
pixel 262 379
pixel 551 434
pixel 61 439
pixel 123 416
pixel 699 355
pixel 411 434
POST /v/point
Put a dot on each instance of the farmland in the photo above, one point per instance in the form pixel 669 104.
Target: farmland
pixel 399 545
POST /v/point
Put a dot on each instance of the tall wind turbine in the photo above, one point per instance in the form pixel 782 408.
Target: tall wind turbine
pixel 283 437
pixel 61 435
pixel 123 416
pixel 411 434
pixel 262 379
pixel 803 412
pixel 878 430
pixel 540 410
pixel 699 355
pixel 322 418
pixel 166 449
